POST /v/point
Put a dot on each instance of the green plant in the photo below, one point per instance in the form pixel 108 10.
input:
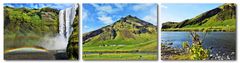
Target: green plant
pixel 197 52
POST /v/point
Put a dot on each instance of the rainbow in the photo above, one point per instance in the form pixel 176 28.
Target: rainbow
pixel 26 49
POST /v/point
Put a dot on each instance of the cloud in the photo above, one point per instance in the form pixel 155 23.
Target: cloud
pixel 84 14
pixel 38 5
pixel 87 29
pixel 103 8
pixel 85 26
pixel 151 19
pixel 141 6
pixel 152 16
pixel 120 6
pixel 163 6
pixel 9 5
pixel 105 19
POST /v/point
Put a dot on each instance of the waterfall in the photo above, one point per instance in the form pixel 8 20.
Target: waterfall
pixel 69 18
pixel 66 18
pixel 61 23
pixel 66 24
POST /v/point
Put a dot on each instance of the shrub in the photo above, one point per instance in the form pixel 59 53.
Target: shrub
pixel 196 51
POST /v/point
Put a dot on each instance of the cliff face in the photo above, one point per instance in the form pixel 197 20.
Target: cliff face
pixel 73 42
pixel 23 20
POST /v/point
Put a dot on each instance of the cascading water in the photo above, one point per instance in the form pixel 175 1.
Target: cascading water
pixel 69 18
pixel 61 23
pixel 66 18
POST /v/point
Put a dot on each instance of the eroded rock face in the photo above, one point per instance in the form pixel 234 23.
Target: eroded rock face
pixel 92 34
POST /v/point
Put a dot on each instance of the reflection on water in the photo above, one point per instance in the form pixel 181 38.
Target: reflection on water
pixel 222 44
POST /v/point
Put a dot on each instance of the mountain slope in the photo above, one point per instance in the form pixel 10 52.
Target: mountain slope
pixel 127 34
pixel 222 16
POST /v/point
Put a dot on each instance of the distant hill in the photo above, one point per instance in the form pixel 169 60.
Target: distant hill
pixel 220 18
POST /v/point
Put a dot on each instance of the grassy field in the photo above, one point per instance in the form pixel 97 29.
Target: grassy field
pixel 222 26
pixel 142 51
pixel 122 49
pixel 120 56
pixel 147 46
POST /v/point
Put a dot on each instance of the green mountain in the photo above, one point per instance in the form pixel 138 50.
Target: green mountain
pixel 129 34
pixel 222 18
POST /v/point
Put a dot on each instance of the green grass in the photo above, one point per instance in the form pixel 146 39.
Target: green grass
pixel 144 43
pixel 140 43
pixel 120 56
pixel 148 46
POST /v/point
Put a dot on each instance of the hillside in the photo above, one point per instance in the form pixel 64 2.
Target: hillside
pixel 222 18
pixel 25 27
pixel 129 34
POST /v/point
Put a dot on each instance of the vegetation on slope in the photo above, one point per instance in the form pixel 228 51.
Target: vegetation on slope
pixel 73 46
pixel 222 18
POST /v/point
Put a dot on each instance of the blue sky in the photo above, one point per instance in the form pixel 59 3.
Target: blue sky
pixel 39 5
pixel 179 12
pixel 99 15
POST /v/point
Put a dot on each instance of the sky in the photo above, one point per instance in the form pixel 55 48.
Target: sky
pixel 98 15
pixel 179 12
pixel 39 5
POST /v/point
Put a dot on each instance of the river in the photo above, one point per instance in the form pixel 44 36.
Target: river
pixel 222 44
